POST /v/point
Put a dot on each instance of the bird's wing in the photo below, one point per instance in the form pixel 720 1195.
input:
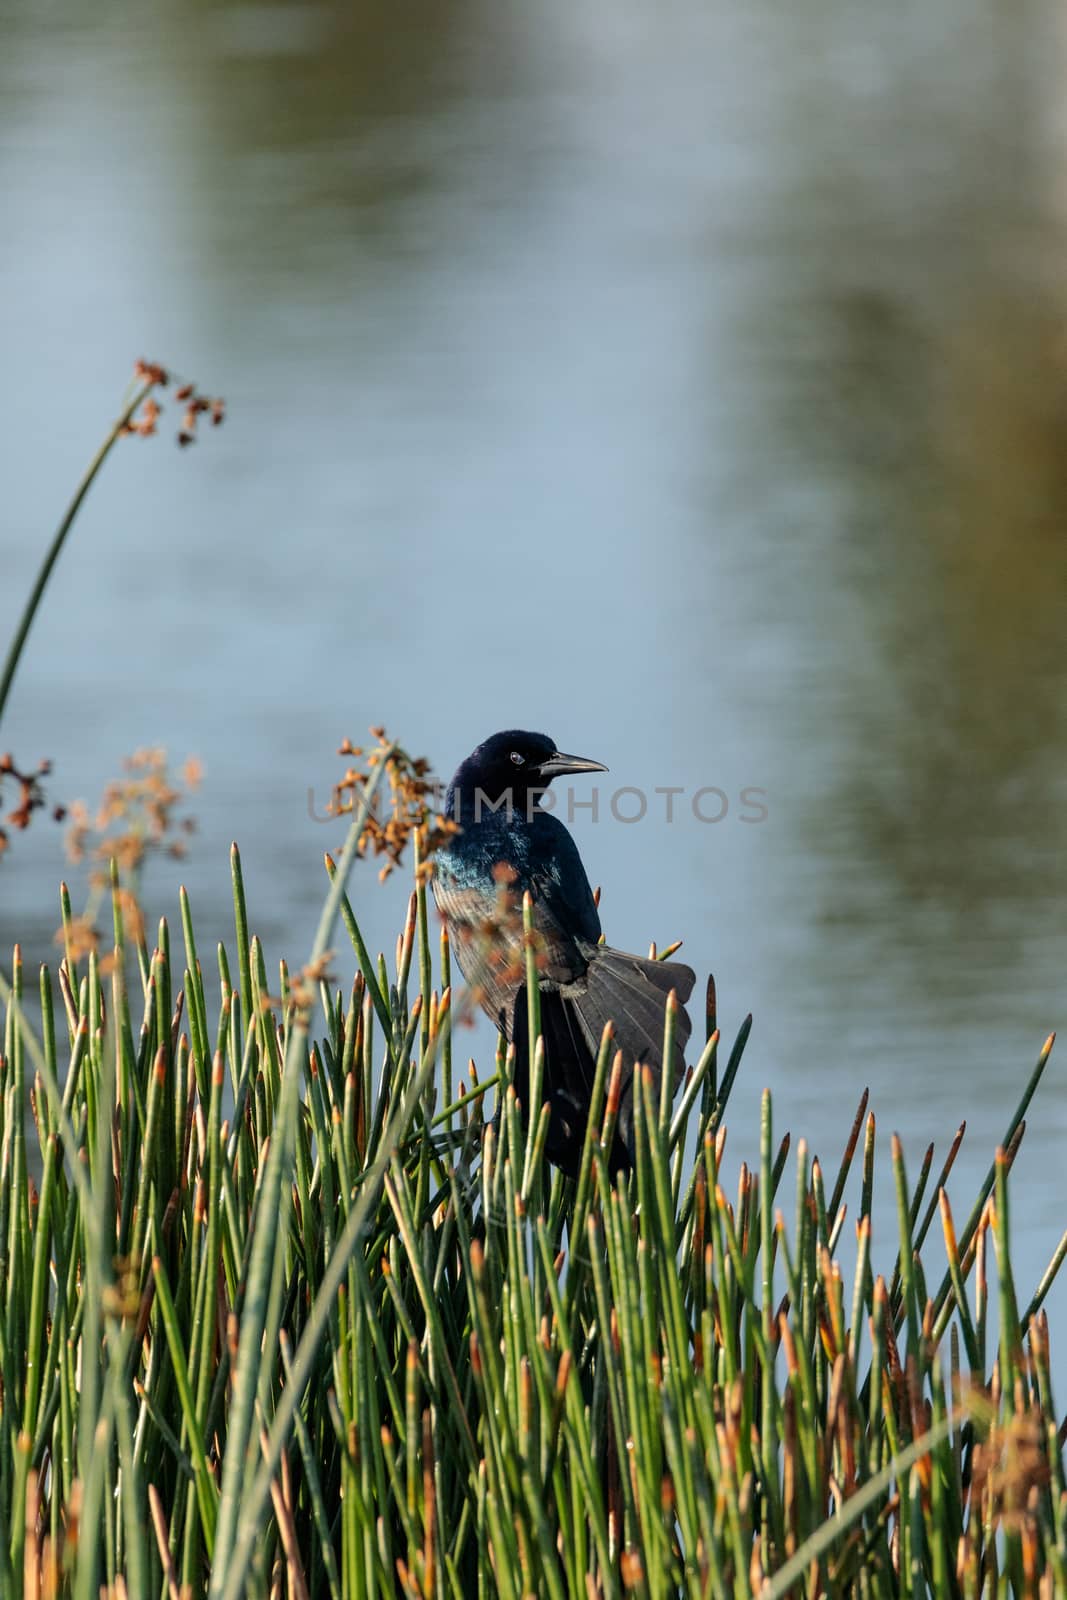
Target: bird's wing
pixel 564 911
pixel 484 942
pixel 558 881
pixel 486 927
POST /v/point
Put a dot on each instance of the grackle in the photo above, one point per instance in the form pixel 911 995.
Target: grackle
pixel 508 844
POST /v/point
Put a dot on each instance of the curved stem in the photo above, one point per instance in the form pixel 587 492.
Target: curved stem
pixel 30 611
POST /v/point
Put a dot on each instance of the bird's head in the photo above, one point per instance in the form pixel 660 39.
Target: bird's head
pixel 507 770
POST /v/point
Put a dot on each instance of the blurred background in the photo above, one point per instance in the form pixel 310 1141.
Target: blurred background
pixel 687 382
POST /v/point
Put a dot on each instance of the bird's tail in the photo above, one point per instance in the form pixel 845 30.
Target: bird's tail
pixel 631 992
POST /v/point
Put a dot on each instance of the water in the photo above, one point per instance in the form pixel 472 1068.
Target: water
pixel 690 385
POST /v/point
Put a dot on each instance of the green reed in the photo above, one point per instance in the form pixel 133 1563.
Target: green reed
pixel 281 1312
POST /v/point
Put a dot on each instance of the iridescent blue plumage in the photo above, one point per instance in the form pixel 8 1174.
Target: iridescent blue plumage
pixel 541 854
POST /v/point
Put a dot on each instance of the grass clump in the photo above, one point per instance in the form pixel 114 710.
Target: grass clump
pixel 283 1314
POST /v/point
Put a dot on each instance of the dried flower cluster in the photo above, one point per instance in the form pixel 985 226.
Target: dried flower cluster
pixel 1010 1467
pixel 301 987
pixel 142 803
pixel 136 816
pixel 1009 1478
pixel 145 422
pixel 406 814
pixel 81 936
pixel 31 795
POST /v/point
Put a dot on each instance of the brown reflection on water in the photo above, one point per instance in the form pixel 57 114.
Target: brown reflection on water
pixel 915 385
pixel 960 756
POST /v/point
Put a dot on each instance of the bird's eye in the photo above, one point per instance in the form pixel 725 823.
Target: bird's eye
pixel 516 758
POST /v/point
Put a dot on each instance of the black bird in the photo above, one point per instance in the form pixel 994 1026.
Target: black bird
pixel 509 844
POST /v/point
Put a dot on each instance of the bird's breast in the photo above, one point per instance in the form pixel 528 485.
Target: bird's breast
pixel 478 884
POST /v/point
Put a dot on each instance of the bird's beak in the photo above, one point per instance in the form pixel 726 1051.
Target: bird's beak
pixel 558 765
